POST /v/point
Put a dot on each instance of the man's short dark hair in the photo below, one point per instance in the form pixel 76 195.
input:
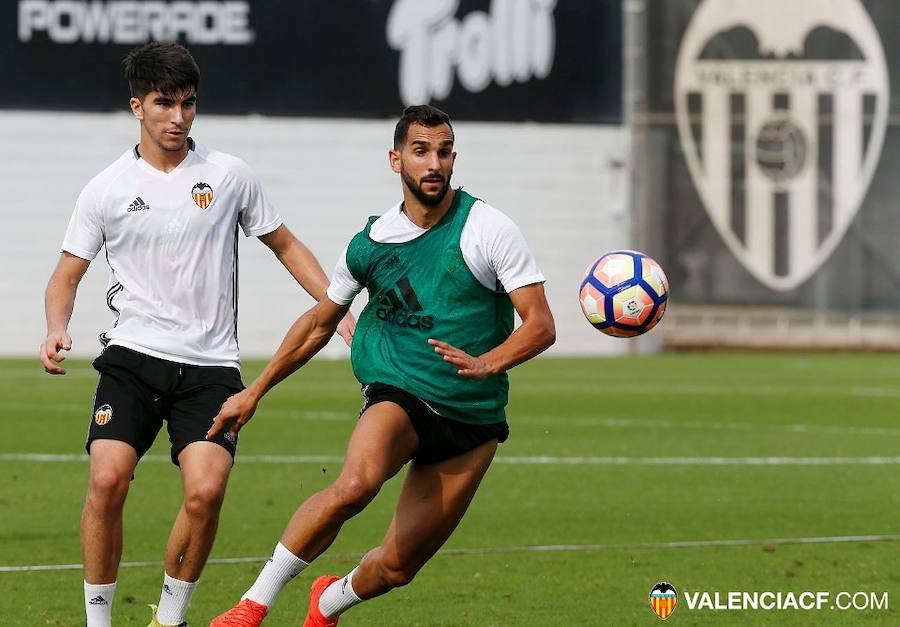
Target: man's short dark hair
pixel 426 115
pixel 164 67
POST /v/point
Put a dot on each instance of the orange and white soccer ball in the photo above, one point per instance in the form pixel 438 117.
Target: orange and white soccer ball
pixel 624 293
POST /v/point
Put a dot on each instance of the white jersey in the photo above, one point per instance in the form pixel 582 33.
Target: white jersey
pixel 171 245
pixel 493 248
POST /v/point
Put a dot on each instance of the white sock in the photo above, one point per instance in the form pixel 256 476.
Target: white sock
pixel 338 597
pixel 98 599
pixel 278 571
pixel 174 600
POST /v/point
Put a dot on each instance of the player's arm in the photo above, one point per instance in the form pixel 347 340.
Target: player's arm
pixel 306 337
pixel 535 335
pixel 306 270
pixel 59 301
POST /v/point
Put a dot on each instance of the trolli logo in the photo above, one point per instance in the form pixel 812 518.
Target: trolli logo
pixel 663 599
pixel 782 109
pixel 202 194
pixel 137 205
pixel 400 306
pixel 516 41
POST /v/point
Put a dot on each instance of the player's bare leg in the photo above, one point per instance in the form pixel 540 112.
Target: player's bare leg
pixel 433 500
pixel 112 465
pixel 204 474
pixel 382 442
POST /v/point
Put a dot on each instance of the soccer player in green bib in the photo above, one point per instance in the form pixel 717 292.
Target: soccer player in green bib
pixel 445 273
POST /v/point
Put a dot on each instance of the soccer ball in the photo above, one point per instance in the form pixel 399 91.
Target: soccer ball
pixel 624 293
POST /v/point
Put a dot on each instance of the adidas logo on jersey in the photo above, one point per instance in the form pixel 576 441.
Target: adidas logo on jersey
pixel 137 205
pixel 400 306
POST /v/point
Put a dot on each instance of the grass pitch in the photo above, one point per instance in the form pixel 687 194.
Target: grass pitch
pixel 612 462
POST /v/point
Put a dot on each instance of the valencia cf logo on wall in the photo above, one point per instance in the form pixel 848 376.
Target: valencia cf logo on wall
pixel 202 194
pixel 782 110
pixel 663 599
pixel 103 414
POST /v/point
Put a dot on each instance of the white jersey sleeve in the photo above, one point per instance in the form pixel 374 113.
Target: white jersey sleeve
pixel 496 251
pixel 85 235
pixel 257 216
pixel 343 287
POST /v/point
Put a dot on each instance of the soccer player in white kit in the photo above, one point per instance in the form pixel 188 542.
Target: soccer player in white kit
pixel 168 212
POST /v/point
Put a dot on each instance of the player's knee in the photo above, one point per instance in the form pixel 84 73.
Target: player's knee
pixel 107 488
pixel 204 499
pixel 352 494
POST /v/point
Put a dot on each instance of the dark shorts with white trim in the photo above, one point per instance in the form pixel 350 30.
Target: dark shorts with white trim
pixel 440 438
pixel 137 392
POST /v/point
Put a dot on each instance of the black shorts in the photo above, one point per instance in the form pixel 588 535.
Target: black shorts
pixel 136 392
pixel 439 438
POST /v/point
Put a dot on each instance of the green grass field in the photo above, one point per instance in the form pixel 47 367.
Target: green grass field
pixel 811 445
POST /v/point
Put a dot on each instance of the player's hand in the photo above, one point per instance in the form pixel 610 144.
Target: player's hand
pixel 235 413
pixel 51 352
pixel 346 328
pixel 468 367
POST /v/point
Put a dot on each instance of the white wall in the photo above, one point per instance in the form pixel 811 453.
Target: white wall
pixel 561 184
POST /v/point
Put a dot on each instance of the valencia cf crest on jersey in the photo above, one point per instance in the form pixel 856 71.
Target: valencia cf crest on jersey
pixel 202 194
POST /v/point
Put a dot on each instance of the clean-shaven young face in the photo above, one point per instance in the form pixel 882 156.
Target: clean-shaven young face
pixel 166 118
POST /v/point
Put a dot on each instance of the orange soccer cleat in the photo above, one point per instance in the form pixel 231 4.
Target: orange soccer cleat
pixel 247 613
pixel 314 617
